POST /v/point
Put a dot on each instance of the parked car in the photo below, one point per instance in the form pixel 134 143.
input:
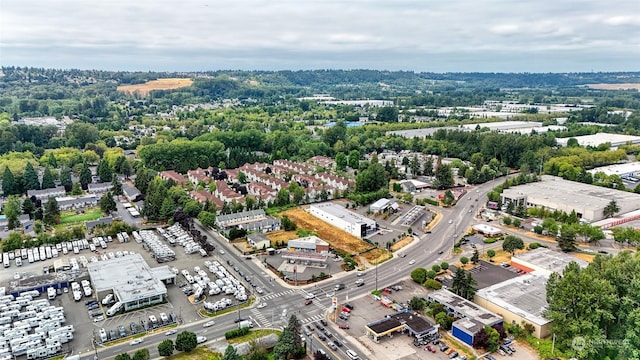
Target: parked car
pixel 348 306
pixel 343 326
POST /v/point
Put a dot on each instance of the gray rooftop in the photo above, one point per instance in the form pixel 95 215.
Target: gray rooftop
pixel 525 296
pixel 129 276
pixel 239 216
pixel 464 307
pixel 552 261
pixel 553 190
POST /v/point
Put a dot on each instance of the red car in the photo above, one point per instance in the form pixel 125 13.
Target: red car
pixel 343 326
pixel 346 309
pixel 308 302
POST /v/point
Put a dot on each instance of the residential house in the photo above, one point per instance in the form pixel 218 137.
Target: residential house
pixel 201 196
pixel 44 194
pixel 296 167
pixel 262 226
pixel 172 175
pixel 225 193
pixel 230 220
pixel 322 161
pixel 101 221
pixel 77 202
pixel 199 176
pixel 99 188
pixel 132 193
pixel 259 241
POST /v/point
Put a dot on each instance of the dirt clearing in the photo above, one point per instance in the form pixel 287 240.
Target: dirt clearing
pixel 160 84
pixel 337 238
pixel 402 243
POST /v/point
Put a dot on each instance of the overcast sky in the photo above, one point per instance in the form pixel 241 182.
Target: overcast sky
pixel 421 35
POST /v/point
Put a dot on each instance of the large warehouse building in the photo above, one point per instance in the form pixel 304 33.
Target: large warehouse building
pixel 349 221
pixel 555 193
pixel 131 281
pixel 626 170
pixel 521 300
pixel 596 140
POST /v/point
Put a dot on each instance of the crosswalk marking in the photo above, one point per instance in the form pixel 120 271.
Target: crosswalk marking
pixel 275 295
pixel 260 319
pixel 312 319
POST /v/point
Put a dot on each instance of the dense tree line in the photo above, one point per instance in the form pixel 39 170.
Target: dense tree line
pixel 598 303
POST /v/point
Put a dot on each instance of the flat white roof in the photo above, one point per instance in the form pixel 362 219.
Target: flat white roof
pixel 464 307
pixel 601 138
pixel 129 276
pixel 346 215
pixel 503 125
pixel 486 229
pixel 524 295
pixel 552 261
pixel 618 169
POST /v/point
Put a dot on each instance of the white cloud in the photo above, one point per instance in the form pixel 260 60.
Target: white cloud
pixel 265 34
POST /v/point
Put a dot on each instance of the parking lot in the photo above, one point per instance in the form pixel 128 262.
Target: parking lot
pixel 178 307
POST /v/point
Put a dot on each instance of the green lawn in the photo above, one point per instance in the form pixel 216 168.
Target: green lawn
pixel 69 217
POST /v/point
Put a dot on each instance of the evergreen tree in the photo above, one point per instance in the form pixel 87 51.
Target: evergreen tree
pixel 154 198
pixel 28 207
pixel 444 177
pixel 65 178
pixel 30 178
pixel 51 212
pixel 9 185
pixel 48 180
pixel 85 175
pixel 51 160
pixel 475 257
pixel 107 204
pixel 105 173
pixel 117 185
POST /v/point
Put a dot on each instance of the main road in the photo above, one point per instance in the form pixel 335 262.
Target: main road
pixel 283 300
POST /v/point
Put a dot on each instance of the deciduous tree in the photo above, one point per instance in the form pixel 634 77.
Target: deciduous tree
pixel 512 243
pixel 166 348
pixel 186 341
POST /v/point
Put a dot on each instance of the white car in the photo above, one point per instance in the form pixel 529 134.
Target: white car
pixel 310 296
pixel 171 332
pixel 201 339
pixel 136 341
pixel 209 323
pixel 263 305
pixel 221 252
pixel 259 290
pixel 98 318
pixel 412 262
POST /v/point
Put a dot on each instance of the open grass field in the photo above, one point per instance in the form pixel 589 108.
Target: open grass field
pixel 160 84
pixel 337 238
pixel 69 217
pixel 624 86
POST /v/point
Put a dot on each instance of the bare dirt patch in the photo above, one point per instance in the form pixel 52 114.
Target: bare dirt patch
pixel 585 257
pixel 402 243
pixel 281 235
pixel 337 238
pixel 625 86
pixel 160 84
pixel 376 256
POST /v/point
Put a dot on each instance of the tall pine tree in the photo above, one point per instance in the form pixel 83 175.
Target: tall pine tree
pixel 9 185
pixel 65 178
pixel 104 170
pixel 85 175
pixel 30 178
pixel 48 180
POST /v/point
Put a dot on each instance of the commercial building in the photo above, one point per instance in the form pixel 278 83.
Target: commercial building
pixel 471 317
pixel 410 322
pixel 486 230
pixel 555 193
pixel 544 261
pixel 383 205
pixel 131 281
pixel 598 139
pixel 521 300
pixel 308 244
pixel 626 171
pixel 349 221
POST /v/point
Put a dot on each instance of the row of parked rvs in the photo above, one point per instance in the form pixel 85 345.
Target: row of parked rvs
pixel 31 327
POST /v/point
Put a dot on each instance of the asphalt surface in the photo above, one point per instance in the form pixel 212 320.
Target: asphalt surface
pixel 283 300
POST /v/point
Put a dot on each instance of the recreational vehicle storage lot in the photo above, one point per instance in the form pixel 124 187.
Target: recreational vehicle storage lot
pixel 77 312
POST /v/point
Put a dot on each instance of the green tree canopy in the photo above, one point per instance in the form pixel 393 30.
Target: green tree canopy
pixel 186 341
pixel 48 179
pixel 512 243
pixel 30 178
pixel 107 204
pixel 51 212
pixel 166 348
